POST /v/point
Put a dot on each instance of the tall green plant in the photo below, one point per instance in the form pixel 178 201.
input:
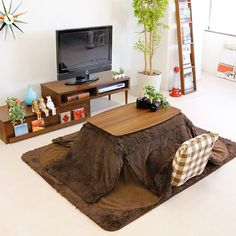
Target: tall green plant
pixel 149 14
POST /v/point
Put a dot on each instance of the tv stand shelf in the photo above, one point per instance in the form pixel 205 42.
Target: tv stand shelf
pixel 59 92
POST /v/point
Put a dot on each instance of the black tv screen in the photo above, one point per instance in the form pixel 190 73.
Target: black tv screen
pixel 81 50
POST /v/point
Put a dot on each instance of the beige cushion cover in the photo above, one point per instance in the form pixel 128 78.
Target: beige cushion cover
pixel 191 158
pixel 219 153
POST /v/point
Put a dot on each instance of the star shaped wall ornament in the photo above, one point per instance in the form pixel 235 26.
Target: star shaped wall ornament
pixel 9 19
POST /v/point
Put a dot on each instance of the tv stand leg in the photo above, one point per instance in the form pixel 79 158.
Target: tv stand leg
pixel 126 97
pixel 109 96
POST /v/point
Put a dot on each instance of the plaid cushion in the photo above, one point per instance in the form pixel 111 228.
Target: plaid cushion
pixel 191 158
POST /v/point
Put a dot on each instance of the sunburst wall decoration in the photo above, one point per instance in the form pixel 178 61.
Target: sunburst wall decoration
pixel 9 19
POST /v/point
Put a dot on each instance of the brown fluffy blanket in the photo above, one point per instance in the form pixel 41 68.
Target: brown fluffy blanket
pixel 114 180
pixel 96 158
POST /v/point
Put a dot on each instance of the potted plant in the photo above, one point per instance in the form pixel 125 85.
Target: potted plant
pixel 15 110
pixel 11 102
pixel 17 114
pixel 149 14
pixel 156 98
pixel 118 74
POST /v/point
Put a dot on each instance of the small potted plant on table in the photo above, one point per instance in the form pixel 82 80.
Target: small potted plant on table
pixel 157 99
pixel 118 74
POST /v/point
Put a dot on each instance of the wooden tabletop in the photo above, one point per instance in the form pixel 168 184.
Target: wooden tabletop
pixel 105 78
pixel 128 119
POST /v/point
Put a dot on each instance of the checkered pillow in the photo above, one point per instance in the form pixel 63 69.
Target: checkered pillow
pixel 191 158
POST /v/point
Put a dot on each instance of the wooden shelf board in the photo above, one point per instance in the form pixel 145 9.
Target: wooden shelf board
pixel 45 130
pixel 189 67
pixel 185 44
pixel 76 101
pixel 94 96
pixel 112 92
pixel 186 22
pixel 59 87
pixel 188 91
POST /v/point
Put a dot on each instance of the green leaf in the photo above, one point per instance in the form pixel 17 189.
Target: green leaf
pixel 155 96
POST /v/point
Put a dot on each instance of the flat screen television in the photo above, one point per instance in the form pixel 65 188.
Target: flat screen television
pixel 81 52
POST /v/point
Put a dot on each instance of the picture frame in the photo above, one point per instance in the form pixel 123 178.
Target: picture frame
pixel 21 129
pixel 78 113
pixel 37 125
pixel 65 117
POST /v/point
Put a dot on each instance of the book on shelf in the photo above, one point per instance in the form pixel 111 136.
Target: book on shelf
pixel 77 96
pixel 186 33
pixel 184 1
pixel 188 81
pixel 186 48
pixel 186 52
pixel 184 11
pixel 186 58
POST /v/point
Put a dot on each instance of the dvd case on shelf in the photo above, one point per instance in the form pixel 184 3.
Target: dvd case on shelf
pixel 186 33
pixel 186 52
pixel 184 11
pixel 188 79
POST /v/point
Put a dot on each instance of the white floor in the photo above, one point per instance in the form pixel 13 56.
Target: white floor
pixel 31 207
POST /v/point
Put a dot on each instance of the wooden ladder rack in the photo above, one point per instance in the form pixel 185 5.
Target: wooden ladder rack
pixel 186 46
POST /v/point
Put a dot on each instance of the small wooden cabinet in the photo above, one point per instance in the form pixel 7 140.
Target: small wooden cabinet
pixel 59 93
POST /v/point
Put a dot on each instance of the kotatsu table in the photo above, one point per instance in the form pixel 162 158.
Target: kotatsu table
pixel 119 165
pixel 128 119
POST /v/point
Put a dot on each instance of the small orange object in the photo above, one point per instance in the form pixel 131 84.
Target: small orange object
pixel 176 92
pixel 176 69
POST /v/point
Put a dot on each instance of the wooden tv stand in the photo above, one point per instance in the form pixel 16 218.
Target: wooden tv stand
pixel 59 93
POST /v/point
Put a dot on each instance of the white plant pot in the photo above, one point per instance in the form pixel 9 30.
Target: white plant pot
pixel 152 80
pixel 120 76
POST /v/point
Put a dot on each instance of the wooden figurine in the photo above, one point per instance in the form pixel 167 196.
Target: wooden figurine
pixel 42 106
pixel 35 108
pixel 50 105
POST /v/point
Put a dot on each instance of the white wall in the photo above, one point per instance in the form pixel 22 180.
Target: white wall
pixel 213 44
pixel 124 36
pixel 171 47
pixel 200 23
pixel 31 59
